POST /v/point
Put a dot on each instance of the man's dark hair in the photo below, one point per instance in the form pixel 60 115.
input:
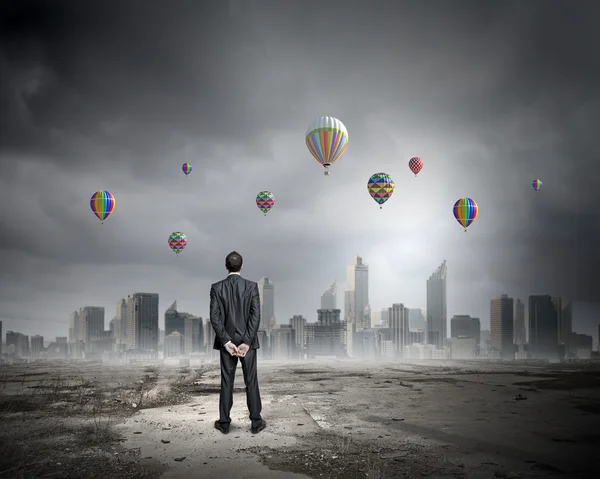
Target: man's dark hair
pixel 234 262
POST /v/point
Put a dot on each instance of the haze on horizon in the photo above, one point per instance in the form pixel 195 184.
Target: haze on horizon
pixel 117 96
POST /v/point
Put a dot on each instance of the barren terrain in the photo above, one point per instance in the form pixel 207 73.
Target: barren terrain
pixel 325 419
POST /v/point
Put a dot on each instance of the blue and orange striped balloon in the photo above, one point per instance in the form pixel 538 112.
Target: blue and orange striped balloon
pixel 186 168
pixel 102 204
pixel 465 212
pixel 537 185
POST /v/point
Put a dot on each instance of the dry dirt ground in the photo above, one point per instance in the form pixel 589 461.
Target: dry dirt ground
pixel 325 420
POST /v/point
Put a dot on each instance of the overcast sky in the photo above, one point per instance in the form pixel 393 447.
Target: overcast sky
pixel 116 95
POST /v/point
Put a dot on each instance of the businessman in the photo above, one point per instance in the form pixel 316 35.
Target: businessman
pixel 235 317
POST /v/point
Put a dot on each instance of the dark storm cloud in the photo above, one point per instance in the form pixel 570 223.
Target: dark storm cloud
pixel 117 95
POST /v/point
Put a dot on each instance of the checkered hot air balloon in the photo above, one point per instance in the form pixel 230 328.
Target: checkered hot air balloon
pixel 380 187
pixel 326 139
pixel 186 168
pixel 465 211
pixel 265 201
pixel 415 164
pixel 177 242
pixel 537 185
pixel 102 204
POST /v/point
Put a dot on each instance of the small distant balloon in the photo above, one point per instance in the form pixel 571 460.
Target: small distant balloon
pixel 102 204
pixel 326 139
pixel 537 185
pixel 465 212
pixel 415 164
pixel 380 187
pixel 177 242
pixel 186 168
pixel 265 201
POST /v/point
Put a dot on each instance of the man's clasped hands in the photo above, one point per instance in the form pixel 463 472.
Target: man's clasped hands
pixel 239 351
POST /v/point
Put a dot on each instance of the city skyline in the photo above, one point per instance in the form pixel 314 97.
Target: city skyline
pixel 485 99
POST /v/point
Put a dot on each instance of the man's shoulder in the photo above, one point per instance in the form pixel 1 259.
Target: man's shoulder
pixel 217 284
pixel 250 283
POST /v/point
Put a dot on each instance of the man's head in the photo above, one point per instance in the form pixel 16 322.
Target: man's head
pixel 234 262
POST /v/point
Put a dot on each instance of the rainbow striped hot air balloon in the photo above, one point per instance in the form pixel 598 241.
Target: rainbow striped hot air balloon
pixel 465 212
pixel 102 204
pixel 177 241
pixel 265 201
pixel 381 187
pixel 326 139
pixel 186 168
pixel 537 185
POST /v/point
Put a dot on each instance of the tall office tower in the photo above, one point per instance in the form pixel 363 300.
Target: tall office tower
pixel 398 316
pixel 142 321
pixel 298 323
pixel 283 343
pixel 266 290
pixel 91 323
pixel 356 298
pixel 193 335
pixel 326 336
pixel 121 322
pixel 385 318
pixel 17 344
pixel 329 297
pixel 557 302
pixel 74 327
pixel 37 346
pixel 520 330
pixel 502 326
pixel 543 327
pixel 416 318
pixel 174 320
pixel 464 326
pixel 437 328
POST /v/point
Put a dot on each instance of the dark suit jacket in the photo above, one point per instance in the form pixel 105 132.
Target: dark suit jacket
pixel 235 300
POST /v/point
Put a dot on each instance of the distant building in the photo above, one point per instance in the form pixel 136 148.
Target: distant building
pixel 464 326
pixel 59 349
pixel 436 307
pixel 37 346
pixel 325 337
pixel 356 299
pixel 463 347
pixel 579 346
pixel 485 339
pixel 209 335
pixel 120 330
pixel 365 344
pixel 399 324
pixel 584 318
pixel 74 327
pixel 329 297
pixel 502 327
pixel 142 322
pixel 174 345
pixel 266 290
pixel 520 331
pixel 17 344
pixel 416 336
pixel 416 318
pixel 298 323
pixel 193 335
pixel 283 343
pixel 91 324
pixel 543 328
pixel 264 351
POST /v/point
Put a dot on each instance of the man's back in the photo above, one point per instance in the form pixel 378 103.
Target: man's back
pixel 238 303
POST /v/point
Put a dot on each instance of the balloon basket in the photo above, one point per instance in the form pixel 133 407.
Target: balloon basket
pixel 326 173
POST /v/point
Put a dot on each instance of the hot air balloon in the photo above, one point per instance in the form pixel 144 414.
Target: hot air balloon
pixel 415 164
pixel 537 185
pixel 177 241
pixel 380 186
pixel 465 212
pixel 326 139
pixel 186 168
pixel 265 201
pixel 102 204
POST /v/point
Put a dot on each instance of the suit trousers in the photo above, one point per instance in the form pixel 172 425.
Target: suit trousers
pixel 228 368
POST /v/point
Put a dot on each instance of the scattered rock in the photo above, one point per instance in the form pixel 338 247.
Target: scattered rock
pixel 300 424
pixel 165 441
pixel 179 459
pixel 137 432
pixel 520 397
pixel 397 419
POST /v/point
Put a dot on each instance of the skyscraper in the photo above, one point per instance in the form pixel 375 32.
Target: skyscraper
pixel 266 290
pixel 464 326
pixel 142 321
pixel 502 326
pixel 329 297
pixel 298 323
pixel 37 346
pixel 398 316
pixel 356 298
pixel 543 327
pixel 91 323
pixel 283 342
pixel 193 335
pixel 520 332
pixel 416 318
pixel 121 322
pixel 437 320
pixel 74 327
